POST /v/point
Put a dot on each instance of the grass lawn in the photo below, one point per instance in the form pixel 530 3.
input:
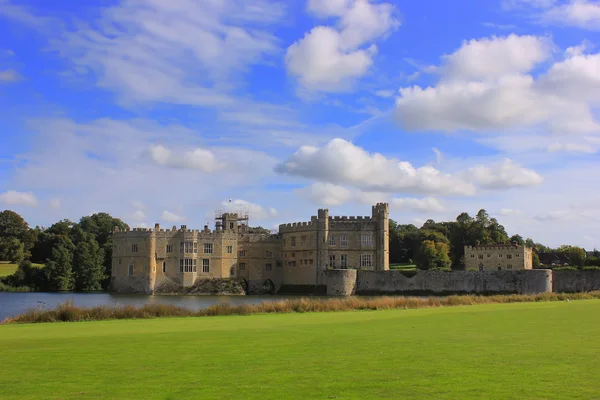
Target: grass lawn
pixel 7 268
pixel 405 267
pixel 507 351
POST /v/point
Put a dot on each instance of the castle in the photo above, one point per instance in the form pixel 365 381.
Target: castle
pixel 491 257
pixel 146 259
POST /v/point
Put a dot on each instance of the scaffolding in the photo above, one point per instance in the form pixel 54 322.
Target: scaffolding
pixel 242 215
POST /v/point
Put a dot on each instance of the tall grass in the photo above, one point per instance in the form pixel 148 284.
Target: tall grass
pixel 69 312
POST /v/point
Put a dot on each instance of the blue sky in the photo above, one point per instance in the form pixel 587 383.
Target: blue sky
pixel 161 111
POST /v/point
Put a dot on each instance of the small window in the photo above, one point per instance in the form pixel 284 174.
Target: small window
pixel 489 255
pixel 134 248
pixel 130 270
pixel 242 266
pixel 332 260
pixel 499 268
pixel 332 240
pixel 119 261
pixel 268 267
pixel 509 266
pixel 508 256
pixel 208 248
pixel 343 261
pixel 242 253
pixel 194 260
pixel 499 255
pixel 181 265
pixel 268 254
pixel 293 241
pixel 205 265
pixel 366 260
pixel 472 255
pixel 169 248
pixel 231 225
pixel 164 266
pixel 229 249
pixel 195 247
pixel 343 240
pixel 303 240
pixel 366 240
pixel 516 255
pixel 480 256
pixel 293 255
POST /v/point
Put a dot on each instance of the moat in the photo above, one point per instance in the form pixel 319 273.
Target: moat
pixel 14 303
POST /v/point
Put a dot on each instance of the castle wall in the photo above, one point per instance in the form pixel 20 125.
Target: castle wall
pixel 569 281
pixel 442 282
pixel 341 282
pixel 498 257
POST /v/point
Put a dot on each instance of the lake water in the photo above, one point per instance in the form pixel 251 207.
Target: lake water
pixel 15 303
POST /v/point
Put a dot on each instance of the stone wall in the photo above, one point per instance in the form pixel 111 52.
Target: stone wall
pixel 341 282
pixel 575 281
pixel 441 282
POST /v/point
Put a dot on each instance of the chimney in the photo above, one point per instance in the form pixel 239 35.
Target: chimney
pixel 477 243
pixel 157 226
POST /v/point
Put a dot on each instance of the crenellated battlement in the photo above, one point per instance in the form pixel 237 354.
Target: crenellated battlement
pixel 298 227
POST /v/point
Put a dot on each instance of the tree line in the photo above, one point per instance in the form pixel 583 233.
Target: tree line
pixel 75 255
pixel 78 255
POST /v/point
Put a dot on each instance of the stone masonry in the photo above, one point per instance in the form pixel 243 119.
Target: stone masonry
pixel 144 259
pixel 498 257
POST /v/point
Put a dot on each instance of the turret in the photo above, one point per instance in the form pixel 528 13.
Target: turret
pixel 322 241
pixel 381 214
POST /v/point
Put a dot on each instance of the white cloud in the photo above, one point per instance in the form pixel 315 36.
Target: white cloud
pixel 371 198
pixel 326 194
pixel 254 211
pixel 201 159
pixel 9 75
pixel 504 175
pixel 14 198
pixel 171 217
pixel 341 162
pixel 55 203
pixel 330 59
pixel 486 86
pixel 385 93
pixel 181 47
pixel 495 57
pixel 583 14
pixel 139 216
pixel 424 205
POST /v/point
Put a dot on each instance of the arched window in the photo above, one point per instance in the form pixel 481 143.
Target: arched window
pixel 164 266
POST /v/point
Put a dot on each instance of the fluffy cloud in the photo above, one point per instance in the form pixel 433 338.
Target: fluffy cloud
pixel 171 217
pixel 487 86
pixel 254 211
pixel 571 148
pixel 201 159
pixel 341 162
pixel 326 194
pixel 495 57
pixel 14 198
pixel 424 205
pixel 504 175
pixel 509 211
pixel 332 58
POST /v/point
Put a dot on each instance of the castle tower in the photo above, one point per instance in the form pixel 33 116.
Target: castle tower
pixel 152 260
pixel 322 243
pixel 381 214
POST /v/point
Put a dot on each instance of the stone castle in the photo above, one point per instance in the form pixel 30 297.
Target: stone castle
pixel 144 260
pixel 501 257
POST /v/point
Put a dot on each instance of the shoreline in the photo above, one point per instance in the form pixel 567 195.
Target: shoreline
pixel 69 312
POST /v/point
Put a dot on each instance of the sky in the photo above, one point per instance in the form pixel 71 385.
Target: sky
pixel 163 111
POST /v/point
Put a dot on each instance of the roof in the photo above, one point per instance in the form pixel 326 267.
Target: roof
pixel 553 257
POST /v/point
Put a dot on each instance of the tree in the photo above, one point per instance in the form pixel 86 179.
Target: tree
pixel 12 250
pixel 576 254
pixel 13 226
pixel 518 239
pixel 88 260
pixel 433 255
pixel 59 268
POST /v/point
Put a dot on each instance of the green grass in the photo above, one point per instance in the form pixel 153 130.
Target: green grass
pixel 7 268
pixel 501 351
pixel 403 266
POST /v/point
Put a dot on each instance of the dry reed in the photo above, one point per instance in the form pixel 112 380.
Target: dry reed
pixel 68 312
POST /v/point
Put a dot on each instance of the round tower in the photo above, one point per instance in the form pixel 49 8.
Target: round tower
pixel 381 214
pixel 151 260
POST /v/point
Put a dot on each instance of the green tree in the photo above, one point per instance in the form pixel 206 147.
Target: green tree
pixel 518 239
pixel 59 268
pixel 442 256
pixel 576 254
pixel 88 260
pixel 13 250
pixel 13 226
pixel 433 255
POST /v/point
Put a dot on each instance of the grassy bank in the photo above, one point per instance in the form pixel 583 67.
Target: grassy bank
pixel 7 268
pixel 69 312
pixel 548 350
